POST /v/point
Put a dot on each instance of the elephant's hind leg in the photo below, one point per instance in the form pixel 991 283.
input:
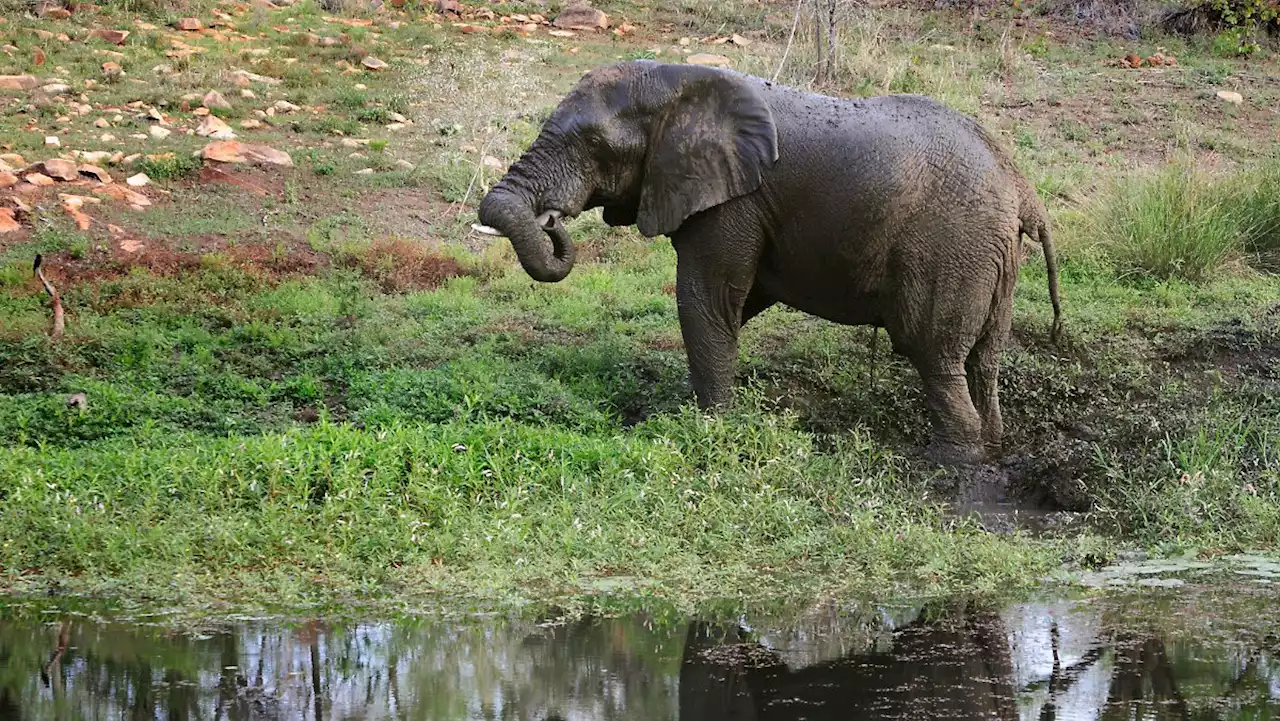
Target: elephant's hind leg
pixel 957 427
pixel 940 311
pixel 983 369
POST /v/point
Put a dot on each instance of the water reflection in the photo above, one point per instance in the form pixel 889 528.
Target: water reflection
pixel 1166 655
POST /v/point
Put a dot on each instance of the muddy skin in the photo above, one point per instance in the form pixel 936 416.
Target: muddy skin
pixel 893 211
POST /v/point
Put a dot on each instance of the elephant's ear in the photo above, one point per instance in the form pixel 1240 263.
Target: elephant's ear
pixel 712 138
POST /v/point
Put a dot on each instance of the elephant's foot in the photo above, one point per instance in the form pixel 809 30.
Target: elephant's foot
pixel 945 453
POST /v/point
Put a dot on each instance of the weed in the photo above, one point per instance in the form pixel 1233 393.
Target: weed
pixel 174 166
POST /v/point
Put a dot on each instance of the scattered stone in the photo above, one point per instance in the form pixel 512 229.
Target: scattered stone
pixel 19 82
pixel 244 77
pixel 189 24
pixel 112 69
pixel 580 16
pixel 365 171
pixel 115 191
pixel 55 89
pixel 92 157
pixel 361 86
pixel 493 163
pixel 404 164
pixel 160 133
pixel 718 61
pixel 685 41
pixel 248 94
pixel 231 151
pixel 561 33
pixel 102 123
pixel 129 245
pixel 737 39
pixel 138 181
pixel 214 101
pixel 115 37
pixel 107 138
pixel 52 142
pixel 39 179
pixel 398 118
pixel 251 124
pixel 200 112
pixel 284 106
pixel 7 179
pixel 448 7
pixel 8 221
pixel 95 172
pixel 1230 96
pixel 213 127
pixel 13 160
pixel 59 168
pixel 373 63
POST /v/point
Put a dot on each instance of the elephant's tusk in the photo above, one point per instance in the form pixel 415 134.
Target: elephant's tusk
pixel 486 230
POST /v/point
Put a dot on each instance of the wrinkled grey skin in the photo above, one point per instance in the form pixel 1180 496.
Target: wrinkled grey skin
pixel 891 211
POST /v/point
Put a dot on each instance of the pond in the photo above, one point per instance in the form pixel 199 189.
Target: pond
pixel 1140 652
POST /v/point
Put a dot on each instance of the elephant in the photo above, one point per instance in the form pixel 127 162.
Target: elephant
pixel 954 669
pixel 894 211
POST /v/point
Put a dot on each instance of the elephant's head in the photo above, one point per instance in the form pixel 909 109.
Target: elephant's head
pixel 651 143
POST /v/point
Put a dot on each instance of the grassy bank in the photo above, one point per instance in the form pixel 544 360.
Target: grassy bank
pixel 314 382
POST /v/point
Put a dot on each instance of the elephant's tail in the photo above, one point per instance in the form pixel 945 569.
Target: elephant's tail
pixel 1035 223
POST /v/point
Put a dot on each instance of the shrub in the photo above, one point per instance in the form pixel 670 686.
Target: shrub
pixel 170 166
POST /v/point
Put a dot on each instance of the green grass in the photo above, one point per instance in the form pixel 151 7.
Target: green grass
pixel 304 406
pixel 1183 222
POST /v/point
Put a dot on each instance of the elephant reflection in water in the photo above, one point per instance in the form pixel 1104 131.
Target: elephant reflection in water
pixel 957 669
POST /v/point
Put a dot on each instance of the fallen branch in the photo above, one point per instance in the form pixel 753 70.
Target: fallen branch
pixel 59 321
pixel 64 637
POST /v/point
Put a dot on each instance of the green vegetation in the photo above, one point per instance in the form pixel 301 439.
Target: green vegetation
pixel 317 383
pixel 1182 222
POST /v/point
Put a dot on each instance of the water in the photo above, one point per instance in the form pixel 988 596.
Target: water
pixel 1194 652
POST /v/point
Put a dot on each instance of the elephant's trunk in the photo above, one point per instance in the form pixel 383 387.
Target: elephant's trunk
pixel 512 216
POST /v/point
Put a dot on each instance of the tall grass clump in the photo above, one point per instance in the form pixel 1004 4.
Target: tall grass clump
pixel 1183 222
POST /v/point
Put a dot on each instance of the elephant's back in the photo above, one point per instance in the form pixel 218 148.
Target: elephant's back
pixel 890 146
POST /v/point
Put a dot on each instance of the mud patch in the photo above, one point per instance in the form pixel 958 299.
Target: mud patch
pixel 400 266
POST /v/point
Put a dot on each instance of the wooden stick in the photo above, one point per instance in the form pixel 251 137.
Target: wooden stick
pixel 59 321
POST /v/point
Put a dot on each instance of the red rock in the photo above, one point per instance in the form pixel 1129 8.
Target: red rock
pixel 59 168
pixel 232 151
pixel 95 172
pixel 8 180
pixel 189 24
pixel 39 179
pixel 115 191
pixel 115 37
pixel 8 222
pixel 581 17
pixel 19 82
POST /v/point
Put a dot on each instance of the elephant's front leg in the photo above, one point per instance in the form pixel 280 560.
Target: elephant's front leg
pixel 710 293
